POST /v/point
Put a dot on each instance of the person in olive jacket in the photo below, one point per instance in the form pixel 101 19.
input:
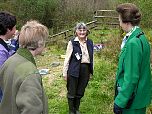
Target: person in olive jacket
pixel 20 80
pixel 133 79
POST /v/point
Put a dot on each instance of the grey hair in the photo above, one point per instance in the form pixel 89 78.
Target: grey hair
pixel 81 25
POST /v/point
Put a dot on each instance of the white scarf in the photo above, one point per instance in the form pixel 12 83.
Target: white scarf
pixel 127 36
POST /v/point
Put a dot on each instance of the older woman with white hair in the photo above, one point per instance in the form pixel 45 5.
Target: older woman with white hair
pixel 78 66
pixel 21 82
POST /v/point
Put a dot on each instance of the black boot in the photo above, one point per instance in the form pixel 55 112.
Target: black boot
pixel 71 105
pixel 77 104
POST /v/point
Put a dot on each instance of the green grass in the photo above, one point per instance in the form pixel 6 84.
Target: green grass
pixel 99 94
pixel 102 35
pixel 98 97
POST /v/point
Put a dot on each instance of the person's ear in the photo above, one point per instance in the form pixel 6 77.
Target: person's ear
pixel 8 30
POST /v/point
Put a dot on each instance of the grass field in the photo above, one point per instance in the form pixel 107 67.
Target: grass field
pixel 98 98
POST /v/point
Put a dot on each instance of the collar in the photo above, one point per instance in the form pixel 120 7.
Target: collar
pixel 131 31
pixel 134 31
pixel 26 54
pixel 77 39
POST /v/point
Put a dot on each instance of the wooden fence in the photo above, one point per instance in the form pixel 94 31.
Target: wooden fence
pixel 101 17
pixel 106 18
pixel 68 33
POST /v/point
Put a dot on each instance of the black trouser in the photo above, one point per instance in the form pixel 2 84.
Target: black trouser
pixel 76 87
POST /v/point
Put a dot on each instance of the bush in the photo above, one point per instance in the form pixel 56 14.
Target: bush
pixel 41 10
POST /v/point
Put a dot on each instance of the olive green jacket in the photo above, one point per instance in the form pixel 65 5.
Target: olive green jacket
pixel 22 87
pixel 133 73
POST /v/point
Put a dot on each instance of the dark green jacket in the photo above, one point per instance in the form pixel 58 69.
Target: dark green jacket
pixel 22 86
pixel 133 73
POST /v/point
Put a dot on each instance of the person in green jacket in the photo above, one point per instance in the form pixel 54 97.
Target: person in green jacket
pixel 20 80
pixel 133 78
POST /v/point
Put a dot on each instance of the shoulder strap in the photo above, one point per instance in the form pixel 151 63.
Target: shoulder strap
pixel 4 44
pixel 138 36
pixel 72 40
pixel 141 33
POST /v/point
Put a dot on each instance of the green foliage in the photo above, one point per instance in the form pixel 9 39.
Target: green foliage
pixel 41 10
pixel 60 15
pixel 7 4
pixel 145 7
pixel 56 14
pixel 111 40
pixel 148 33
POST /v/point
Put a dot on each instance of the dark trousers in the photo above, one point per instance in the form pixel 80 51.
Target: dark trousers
pixel 76 86
pixel 134 111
